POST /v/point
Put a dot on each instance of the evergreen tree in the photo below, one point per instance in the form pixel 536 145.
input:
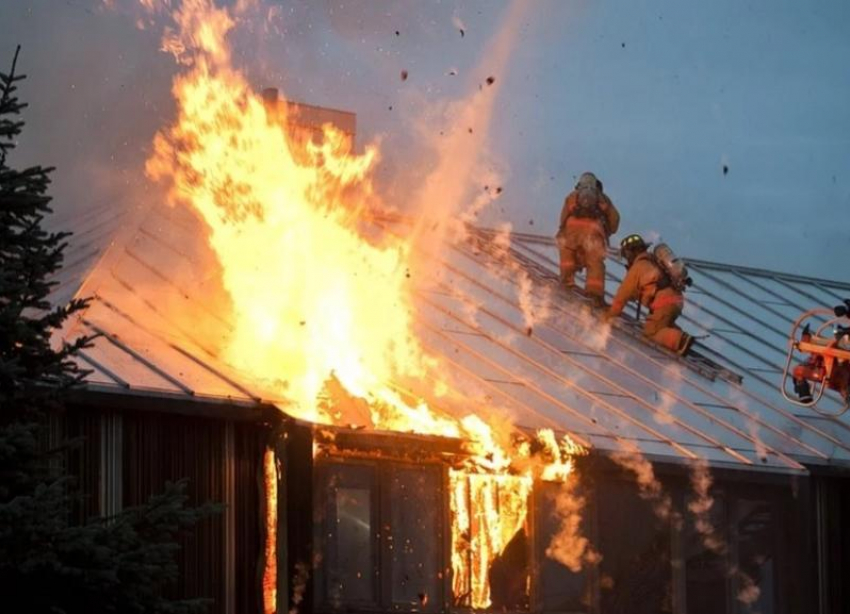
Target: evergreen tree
pixel 47 562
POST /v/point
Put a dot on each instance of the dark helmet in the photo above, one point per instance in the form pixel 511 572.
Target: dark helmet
pixel 631 246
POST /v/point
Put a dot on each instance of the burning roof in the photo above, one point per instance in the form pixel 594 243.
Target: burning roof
pixel 160 331
pixel 270 275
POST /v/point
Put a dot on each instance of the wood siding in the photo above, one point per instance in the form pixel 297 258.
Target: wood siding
pixel 126 456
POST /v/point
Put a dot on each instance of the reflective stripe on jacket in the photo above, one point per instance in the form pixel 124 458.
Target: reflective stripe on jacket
pixel 666 299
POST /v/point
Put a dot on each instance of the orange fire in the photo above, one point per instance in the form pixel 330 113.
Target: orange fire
pixel 310 297
pixel 315 304
pixel 270 569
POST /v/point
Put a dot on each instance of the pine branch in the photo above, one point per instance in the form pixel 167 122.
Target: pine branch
pixel 48 561
pixel 9 105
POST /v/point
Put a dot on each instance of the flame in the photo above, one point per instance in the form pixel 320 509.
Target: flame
pixel 488 510
pixel 311 297
pixel 320 309
pixel 270 568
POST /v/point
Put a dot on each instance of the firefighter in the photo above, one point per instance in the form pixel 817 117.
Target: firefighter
pixel 814 370
pixel 588 219
pixel 647 282
pixel 815 367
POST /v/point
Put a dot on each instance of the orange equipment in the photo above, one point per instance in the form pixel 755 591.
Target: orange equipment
pixel 828 361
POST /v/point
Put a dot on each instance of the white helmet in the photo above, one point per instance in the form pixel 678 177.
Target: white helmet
pixel 587 181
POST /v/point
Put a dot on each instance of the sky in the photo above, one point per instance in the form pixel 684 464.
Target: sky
pixel 657 98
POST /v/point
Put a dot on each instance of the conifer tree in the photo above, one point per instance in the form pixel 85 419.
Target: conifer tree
pixel 48 562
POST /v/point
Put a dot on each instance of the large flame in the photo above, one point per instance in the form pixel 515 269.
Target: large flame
pixel 310 297
pixel 318 306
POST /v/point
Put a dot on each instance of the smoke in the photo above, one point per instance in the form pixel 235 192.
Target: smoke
pixel 672 381
pixel 752 426
pixel 700 506
pixel 650 489
pixel 501 264
pixel 568 546
pixel 595 332
pixel 299 585
pixel 443 203
pixel 748 591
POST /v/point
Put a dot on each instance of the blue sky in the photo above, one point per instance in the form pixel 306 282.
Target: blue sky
pixel 655 97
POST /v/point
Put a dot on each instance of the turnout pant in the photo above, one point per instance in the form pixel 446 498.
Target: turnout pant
pixel 660 325
pixel 583 248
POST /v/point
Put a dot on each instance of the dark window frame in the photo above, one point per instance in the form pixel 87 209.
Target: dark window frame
pixel 541 541
pixel 382 510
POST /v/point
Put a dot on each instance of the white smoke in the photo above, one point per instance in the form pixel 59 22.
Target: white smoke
pixel 568 546
pixel 700 506
pixel 650 489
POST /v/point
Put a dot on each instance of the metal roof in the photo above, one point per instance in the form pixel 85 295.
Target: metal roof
pixel 516 345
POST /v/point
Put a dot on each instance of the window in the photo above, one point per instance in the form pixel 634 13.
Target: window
pixel 379 536
pixel 349 559
pixel 755 532
pixel 705 563
pixel 635 574
pixel 559 589
pixel 414 538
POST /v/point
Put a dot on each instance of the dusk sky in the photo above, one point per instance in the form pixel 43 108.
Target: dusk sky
pixel 657 98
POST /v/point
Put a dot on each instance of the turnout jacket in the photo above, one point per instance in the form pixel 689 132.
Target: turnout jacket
pixel 642 283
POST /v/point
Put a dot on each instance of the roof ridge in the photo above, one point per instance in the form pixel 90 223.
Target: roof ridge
pixel 694 262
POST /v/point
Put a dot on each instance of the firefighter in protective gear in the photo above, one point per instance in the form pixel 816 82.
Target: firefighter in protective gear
pixel 816 369
pixel 647 282
pixel 588 219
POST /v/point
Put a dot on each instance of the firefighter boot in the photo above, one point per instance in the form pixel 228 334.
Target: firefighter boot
pixel 685 344
pixel 803 390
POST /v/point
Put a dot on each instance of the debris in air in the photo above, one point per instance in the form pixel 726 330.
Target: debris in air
pixel 404 75
pixel 462 32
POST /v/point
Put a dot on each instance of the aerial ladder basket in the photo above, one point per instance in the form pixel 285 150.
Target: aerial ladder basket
pixel 826 357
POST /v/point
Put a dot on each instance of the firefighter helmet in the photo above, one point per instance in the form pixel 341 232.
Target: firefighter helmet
pixel 631 246
pixel 588 181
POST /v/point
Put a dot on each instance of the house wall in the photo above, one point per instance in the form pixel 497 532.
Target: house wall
pixel 759 559
pixel 832 528
pixel 128 455
pixel 399 488
pixel 758 539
